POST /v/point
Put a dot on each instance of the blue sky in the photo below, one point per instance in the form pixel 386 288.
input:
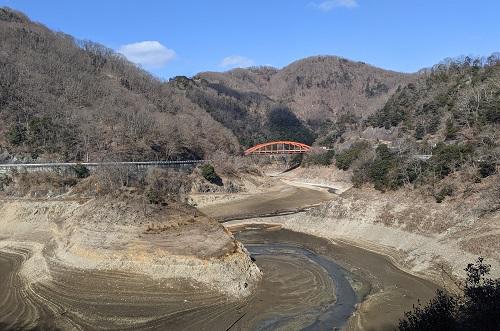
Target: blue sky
pixel 184 37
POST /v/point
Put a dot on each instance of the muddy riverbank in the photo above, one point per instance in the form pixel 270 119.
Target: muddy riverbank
pixel 383 291
pixel 308 283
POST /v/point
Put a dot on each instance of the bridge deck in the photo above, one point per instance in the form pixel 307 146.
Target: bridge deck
pixel 92 165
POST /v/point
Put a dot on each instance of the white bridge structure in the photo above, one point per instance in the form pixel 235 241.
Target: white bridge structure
pixel 66 166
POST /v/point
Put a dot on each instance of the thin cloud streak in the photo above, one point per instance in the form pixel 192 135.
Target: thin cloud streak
pixel 236 61
pixel 329 5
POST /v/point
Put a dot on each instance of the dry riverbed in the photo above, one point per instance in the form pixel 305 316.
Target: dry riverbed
pixel 112 265
pixel 116 263
pixel 385 291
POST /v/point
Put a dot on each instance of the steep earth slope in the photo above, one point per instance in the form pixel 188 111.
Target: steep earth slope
pixel 122 234
pixel 65 99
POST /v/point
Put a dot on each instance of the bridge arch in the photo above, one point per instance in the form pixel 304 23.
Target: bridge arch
pixel 278 147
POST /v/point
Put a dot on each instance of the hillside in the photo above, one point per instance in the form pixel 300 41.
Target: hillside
pixel 318 88
pixel 443 133
pixel 65 99
pixel 252 117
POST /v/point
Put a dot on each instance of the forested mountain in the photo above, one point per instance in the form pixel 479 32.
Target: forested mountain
pixel 451 113
pixel 318 88
pixel 299 102
pixel 64 99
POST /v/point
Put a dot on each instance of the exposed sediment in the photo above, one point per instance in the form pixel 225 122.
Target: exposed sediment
pixel 384 290
pixel 294 293
pixel 160 244
pixel 436 240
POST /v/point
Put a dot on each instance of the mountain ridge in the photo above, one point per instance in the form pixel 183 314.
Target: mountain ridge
pixel 318 87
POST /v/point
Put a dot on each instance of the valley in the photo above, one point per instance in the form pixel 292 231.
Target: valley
pixel 292 264
pixel 322 194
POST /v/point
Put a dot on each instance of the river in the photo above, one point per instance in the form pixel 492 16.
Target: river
pixel 309 283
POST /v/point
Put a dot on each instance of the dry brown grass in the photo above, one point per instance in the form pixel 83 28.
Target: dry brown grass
pixel 39 184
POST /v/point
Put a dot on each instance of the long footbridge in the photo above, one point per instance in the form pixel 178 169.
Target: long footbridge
pixel 62 166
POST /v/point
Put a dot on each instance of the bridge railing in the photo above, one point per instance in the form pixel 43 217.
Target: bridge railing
pixel 278 147
pixel 29 167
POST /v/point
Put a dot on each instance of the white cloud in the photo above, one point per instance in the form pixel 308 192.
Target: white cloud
pixel 150 54
pixel 332 4
pixel 236 61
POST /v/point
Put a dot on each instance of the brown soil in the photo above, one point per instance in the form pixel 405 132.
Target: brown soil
pixel 280 199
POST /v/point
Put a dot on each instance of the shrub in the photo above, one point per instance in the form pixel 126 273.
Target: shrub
pixel 419 132
pixel 360 174
pixel 385 169
pixel 443 193
pixel 475 309
pixel 296 160
pixel 166 183
pixel 208 172
pixel 493 115
pixel 321 157
pixel 344 159
pixel 447 158
pixel 38 184
pixel 4 181
pixel 110 179
pixel 487 168
pixel 232 165
pixel 16 135
pixel 437 316
pixel 379 169
pixel 81 171
pixel 451 130
pixel 154 196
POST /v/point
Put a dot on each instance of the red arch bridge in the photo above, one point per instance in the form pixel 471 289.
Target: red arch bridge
pixel 278 147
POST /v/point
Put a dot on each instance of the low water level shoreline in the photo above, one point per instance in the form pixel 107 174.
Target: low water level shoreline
pixel 308 283
pixel 384 292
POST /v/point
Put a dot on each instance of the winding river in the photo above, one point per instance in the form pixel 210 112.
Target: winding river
pixel 309 283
